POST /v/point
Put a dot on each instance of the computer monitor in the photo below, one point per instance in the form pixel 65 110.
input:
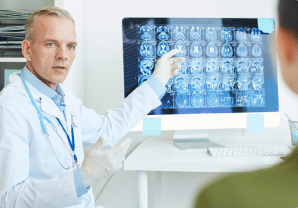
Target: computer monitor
pixel 227 74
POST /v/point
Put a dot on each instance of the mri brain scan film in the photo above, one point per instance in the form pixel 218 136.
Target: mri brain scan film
pixel 196 66
pixel 226 34
pixel 227 50
pixel 227 68
pixel 179 33
pixel 146 66
pixel 195 32
pixel 196 49
pixel 162 48
pixel 147 32
pixel 163 32
pixel 212 50
pixel 211 33
pixel 182 49
pixel 146 49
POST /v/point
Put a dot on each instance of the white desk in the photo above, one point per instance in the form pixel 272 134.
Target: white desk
pixel 162 155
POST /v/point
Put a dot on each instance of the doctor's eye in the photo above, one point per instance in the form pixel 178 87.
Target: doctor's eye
pixel 50 44
pixel 71 47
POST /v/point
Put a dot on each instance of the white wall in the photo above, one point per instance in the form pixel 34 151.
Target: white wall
pixel 103 87
pixel 75 78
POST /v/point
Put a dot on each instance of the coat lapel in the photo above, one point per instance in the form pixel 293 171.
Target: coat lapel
pixel 49 107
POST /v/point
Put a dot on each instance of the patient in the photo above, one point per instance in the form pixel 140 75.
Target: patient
pixel 276 186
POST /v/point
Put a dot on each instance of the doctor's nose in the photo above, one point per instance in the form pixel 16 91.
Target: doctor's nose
pixel 62 53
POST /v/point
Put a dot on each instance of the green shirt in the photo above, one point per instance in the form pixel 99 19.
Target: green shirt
pixel 267 188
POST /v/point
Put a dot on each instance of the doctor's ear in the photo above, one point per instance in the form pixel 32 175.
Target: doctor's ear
pixel 287 46
pixel 26 46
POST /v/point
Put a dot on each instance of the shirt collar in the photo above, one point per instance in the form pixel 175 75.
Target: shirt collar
pixel 42 87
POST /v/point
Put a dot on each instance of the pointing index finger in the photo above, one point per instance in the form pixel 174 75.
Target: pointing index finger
pixel 171 53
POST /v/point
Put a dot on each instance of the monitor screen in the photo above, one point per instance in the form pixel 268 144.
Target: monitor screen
pixel 227 69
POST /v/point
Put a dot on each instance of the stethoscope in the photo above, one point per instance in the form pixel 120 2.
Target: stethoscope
pixel 74 121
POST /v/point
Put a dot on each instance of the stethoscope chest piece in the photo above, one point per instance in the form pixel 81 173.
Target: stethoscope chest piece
pixel 74 121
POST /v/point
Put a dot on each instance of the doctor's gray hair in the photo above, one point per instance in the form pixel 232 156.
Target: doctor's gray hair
pixel 46 11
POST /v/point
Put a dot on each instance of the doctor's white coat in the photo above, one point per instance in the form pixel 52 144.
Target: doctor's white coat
pixel 30 174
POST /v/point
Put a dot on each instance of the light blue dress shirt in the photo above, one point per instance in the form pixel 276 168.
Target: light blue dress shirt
pixel 58 98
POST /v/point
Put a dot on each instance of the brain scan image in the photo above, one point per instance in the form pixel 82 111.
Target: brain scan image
pixel 143 78
pixel 167 101
pixel 256 35
pixel 257 66
pixel 224 67
pixel 162 48
pixel 195 33
pixel 226 99
pixel 211 33
pixel 227 50
pixel 146 49
pixel 196 83
pixel 227 82
pixel 196 66
pixel 146 65
pixel 211 66
pixel 227 66
pixel 196 49
pixel 242 82
pixel 243 98
pixel 213 98
pixel 257 81
pixel 257 98
pixel 211 50
pixel 241 34
pixel 183 67
pixel 212 82
pixel 181 100
pixel 182 49
pixel 242 66
pixel 146 32
pixel 256 51
pixel 179 33
pixel 197 99
pixel 180 83
pixel 226 34
pixel 163 33
pixel 242 50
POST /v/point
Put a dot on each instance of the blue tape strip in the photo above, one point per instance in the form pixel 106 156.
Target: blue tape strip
pixel 266 25
pixel 151 127
pixel 255 123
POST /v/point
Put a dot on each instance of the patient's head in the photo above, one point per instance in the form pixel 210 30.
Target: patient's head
pixel 286 42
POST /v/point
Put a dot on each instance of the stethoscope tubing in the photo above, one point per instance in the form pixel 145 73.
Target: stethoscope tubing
pixel 73 156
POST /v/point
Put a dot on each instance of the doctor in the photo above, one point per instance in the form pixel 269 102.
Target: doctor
pixel 43 126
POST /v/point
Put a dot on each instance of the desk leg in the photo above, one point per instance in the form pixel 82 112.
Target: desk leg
pixel 142 189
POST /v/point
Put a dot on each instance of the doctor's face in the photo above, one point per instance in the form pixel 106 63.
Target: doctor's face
pixel 52 49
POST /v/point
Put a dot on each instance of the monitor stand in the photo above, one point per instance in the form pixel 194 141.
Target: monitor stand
pixel 193 139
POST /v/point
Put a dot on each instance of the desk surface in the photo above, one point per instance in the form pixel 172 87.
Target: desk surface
pixel 162 155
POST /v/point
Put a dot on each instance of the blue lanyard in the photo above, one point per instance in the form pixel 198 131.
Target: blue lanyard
pixel 71 143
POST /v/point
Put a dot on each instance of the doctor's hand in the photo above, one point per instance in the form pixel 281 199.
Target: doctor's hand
pixel 166 68
pixel 98 164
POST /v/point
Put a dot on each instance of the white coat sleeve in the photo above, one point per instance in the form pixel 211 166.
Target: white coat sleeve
pixel 120 120
pixel 17 189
